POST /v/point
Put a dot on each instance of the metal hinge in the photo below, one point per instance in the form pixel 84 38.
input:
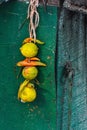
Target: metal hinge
pixel 76 5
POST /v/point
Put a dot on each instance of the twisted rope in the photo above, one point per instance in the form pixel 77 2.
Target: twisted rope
pixel 33 16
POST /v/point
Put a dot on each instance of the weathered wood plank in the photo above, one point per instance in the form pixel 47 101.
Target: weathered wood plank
pixel 72 46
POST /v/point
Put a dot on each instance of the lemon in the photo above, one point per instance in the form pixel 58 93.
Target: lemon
pixel 28 94
pixel 30 73
pixel 29 50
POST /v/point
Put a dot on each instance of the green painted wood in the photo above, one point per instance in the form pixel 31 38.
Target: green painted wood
pixel 72 46
pixel 41 114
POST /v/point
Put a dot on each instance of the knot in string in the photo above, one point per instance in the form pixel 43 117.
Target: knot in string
pixel 33 16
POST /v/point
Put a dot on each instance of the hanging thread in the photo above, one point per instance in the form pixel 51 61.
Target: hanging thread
pixel 33 16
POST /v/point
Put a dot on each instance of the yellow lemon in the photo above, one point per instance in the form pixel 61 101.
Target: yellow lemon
pixel 29 50
pixel 30 73
pixel 28 94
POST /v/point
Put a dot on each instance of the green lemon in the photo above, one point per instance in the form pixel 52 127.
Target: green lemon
pixel 30 73
pixel 29 50
pixel 28 94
